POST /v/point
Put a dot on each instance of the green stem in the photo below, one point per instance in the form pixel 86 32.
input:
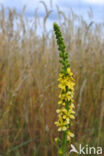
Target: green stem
pixel 64 143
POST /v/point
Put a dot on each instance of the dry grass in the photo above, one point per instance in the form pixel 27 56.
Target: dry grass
pixel 28 83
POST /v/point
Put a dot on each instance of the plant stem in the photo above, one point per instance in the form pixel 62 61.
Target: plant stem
pixel 64 143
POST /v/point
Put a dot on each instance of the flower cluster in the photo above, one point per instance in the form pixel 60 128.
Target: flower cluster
pixel 66 84
pixel 66 106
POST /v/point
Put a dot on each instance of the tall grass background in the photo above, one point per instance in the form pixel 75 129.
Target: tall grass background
pixel 29 66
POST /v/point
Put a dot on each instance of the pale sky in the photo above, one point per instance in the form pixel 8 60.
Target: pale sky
pixel 96 5
pixel 80 7
pixel 95 1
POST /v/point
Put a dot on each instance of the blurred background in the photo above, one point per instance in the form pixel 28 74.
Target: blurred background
pixel 29 68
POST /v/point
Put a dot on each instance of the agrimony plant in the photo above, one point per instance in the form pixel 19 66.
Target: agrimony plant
pixel 65 109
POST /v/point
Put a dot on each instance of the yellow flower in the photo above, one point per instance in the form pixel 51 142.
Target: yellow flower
pixel 62 86
pixel 56 139
pixel 69 72
pixel 58 111
pixel 66 96
pixel 61 123
pixel 60 152
pixel 69 135
pixel 72 116
pixel 60 102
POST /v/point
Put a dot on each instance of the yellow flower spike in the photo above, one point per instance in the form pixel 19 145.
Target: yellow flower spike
pixel 66 85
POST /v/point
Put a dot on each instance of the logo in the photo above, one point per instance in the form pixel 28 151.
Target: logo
pixel 86 150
